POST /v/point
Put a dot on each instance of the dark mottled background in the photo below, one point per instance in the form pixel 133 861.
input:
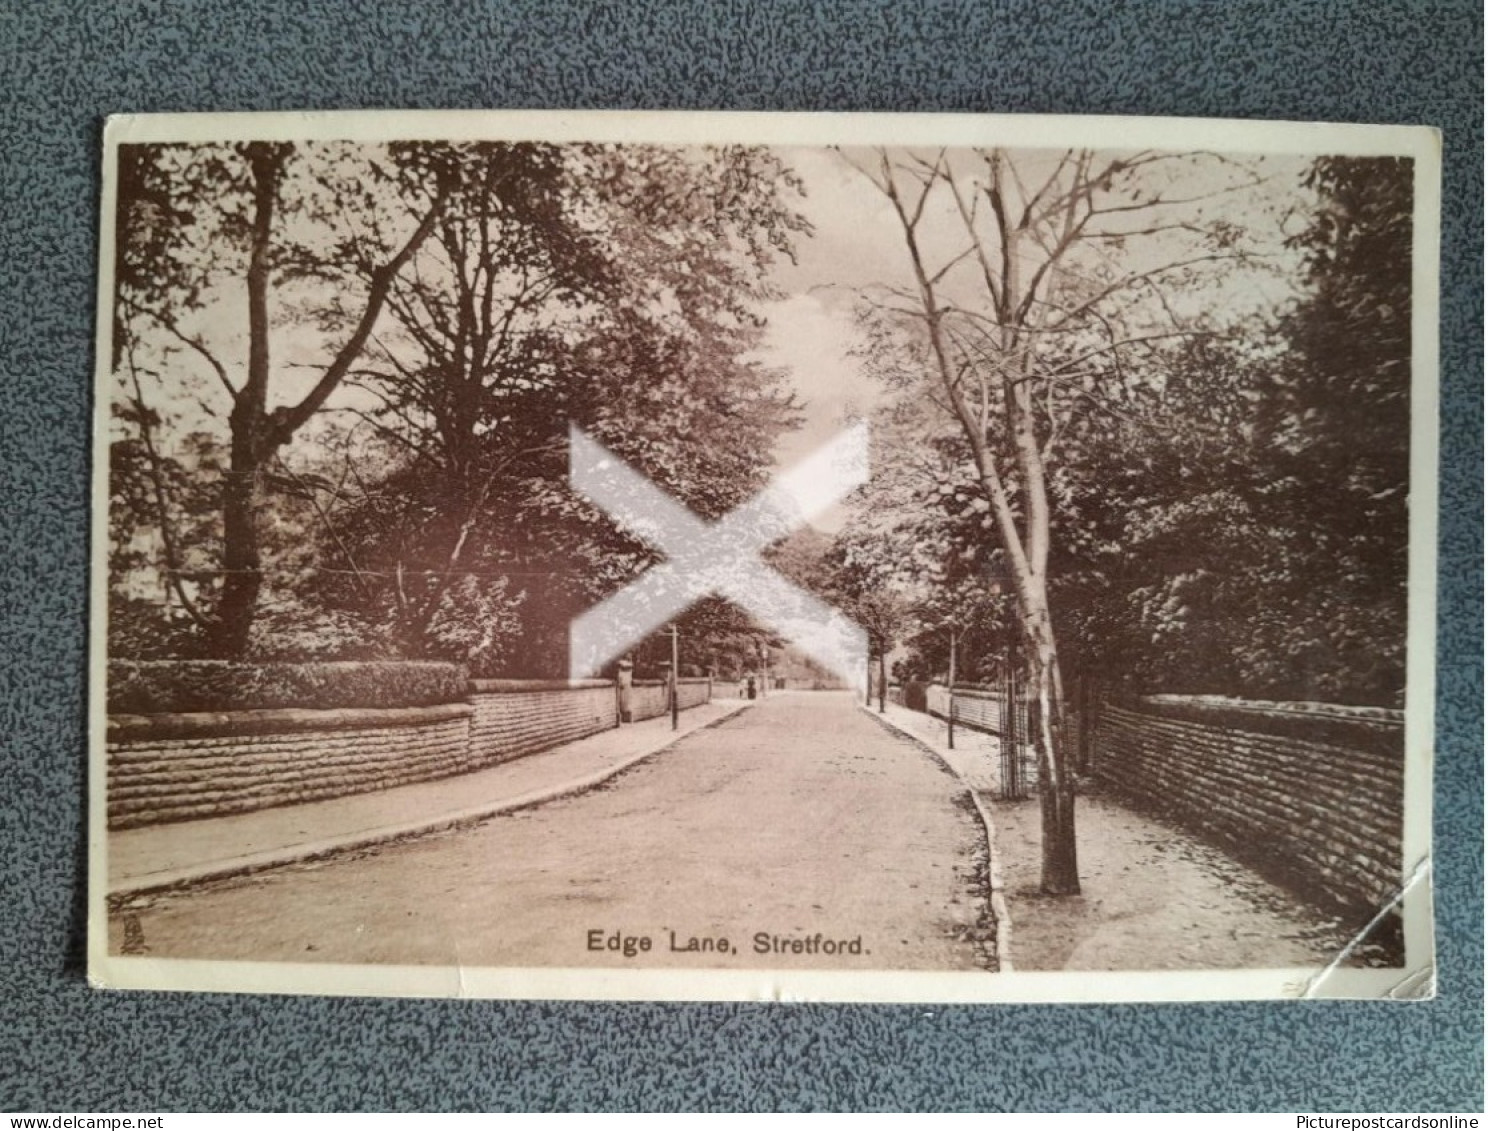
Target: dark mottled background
pixel 65 66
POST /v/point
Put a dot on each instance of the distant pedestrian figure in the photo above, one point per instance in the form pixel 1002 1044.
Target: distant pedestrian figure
pixel 750 685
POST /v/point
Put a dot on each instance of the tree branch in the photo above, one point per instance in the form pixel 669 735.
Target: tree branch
pixel 170 327
pixel 287 421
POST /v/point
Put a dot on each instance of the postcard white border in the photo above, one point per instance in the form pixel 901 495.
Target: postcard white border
pixel 1413 982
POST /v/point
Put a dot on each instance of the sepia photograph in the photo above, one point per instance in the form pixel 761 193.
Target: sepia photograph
pixel 764 556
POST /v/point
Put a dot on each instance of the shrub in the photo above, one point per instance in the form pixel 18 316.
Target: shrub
pixel 914 694
pixel 157 686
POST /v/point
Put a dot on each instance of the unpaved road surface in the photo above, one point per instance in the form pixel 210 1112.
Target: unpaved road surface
pixel 799 823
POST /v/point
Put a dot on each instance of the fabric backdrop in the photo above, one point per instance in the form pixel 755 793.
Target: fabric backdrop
pixel 66 1047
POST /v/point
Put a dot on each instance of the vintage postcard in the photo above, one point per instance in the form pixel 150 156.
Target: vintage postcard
pixel 764 556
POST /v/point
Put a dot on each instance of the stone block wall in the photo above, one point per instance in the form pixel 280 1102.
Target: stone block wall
pixel 180 767
pixel 514 717
pixel 1312 795
pixel 176 767
pixel 693 692
pixel 980 709
pixel 648 697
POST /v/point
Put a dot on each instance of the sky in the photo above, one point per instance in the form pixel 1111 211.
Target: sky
pixel 812 329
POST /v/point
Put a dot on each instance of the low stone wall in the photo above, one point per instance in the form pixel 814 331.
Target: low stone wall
pixel 1310 794
pixel 981 709
pixel 693 692
pixel 514 717
pixel 648 697
pixel 179 767
pixel 176 767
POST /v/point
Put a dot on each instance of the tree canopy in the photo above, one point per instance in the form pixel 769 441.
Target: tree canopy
pixel 1152 406
pixel 429 319
pixel 1228 506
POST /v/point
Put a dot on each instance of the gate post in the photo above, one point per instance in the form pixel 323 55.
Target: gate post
pixel 622 690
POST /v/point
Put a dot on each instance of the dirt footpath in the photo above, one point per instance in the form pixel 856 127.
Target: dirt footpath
pixel 798 834
pixel 1152 899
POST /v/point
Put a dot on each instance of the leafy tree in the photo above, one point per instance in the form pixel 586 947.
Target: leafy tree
pixel 202 228
pixel 1343 438
pixel 613 287
pixel 160 548
pixel 1247 534
pixel 463 303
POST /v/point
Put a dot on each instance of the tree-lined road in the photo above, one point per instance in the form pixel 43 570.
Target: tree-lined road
pixel 798 828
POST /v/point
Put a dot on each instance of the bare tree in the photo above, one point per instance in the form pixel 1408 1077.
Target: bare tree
pixel 1031 300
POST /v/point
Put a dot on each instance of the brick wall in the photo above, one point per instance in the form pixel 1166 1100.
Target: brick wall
pixel 514 717
pixel 1311 795
pixel 176 767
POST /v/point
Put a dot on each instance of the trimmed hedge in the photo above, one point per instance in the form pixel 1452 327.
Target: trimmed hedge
pixel 147 687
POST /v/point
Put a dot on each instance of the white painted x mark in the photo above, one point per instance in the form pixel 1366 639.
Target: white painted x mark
pixel 717 557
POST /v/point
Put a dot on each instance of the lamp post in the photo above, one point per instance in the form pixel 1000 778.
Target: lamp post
pixel 951 696
pixel 674 676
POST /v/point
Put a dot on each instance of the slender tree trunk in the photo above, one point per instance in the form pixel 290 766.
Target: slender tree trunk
pixel 1026 550
pixel 243 576
pixel 1061 874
